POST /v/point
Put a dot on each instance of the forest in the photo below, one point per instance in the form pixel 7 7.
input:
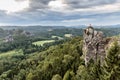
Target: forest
pixel 62 59
pixel 60 62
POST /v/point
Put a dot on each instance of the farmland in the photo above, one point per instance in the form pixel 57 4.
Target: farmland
pixel 41 43
pixel 11 53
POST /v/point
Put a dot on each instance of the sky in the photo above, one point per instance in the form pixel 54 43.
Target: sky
pixel 59 12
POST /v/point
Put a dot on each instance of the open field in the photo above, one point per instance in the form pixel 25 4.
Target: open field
pixel 60 38
pixel 41 43
pixel 11 53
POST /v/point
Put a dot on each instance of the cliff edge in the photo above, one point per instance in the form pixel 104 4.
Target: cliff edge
pixel 95 45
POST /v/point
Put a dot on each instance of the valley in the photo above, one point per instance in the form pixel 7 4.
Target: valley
pixel 59 39
pixel 51 55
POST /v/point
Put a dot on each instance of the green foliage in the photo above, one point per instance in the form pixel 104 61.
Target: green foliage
pixel 82 73
pixel 69 75
pixel 58 62
pixel 56 77
pixel 29 76
pixel 43 65
pixel 112 63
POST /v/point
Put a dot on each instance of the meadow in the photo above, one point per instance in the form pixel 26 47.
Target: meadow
pixel 11 53
pixel 41 43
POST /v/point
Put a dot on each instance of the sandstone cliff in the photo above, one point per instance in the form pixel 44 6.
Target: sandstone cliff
pixel 95 44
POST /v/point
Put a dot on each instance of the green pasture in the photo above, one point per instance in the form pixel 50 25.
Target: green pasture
pixel 11 53
pixel 41 43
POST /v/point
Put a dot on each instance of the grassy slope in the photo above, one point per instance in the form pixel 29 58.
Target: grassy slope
pixel 43 42
pixel 11 53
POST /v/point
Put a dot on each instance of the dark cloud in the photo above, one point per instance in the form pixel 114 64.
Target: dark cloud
pixel 88 3
pixel 39 11
pixel 38 4
pixel 43 4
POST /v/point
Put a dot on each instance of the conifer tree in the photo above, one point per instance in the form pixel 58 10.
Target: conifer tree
pixel 56 77
pixel 112 63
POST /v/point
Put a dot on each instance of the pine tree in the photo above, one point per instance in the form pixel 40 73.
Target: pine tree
pixel 56 77
pixel 112 63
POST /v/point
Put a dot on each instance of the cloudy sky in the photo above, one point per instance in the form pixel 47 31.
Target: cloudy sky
pixel 59 12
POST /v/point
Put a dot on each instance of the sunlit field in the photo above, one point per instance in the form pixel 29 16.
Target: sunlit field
pixel 11 53
pixel 41 43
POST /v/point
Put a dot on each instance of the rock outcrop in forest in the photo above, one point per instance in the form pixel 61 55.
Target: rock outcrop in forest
pixel 95 44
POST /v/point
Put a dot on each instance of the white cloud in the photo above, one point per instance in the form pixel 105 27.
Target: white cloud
pixel 108 8
pixel 101 9
pixel 57 5
pixel 60 12
pixel 11 6
pixel 63 7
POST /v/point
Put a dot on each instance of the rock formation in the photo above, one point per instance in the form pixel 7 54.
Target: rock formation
pixel 94 44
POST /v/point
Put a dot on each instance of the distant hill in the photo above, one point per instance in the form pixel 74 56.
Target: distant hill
pixel 57 27
pixel 31 27
pixel 60 31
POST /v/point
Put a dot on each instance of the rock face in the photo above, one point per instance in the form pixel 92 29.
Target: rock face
pixel 94 44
